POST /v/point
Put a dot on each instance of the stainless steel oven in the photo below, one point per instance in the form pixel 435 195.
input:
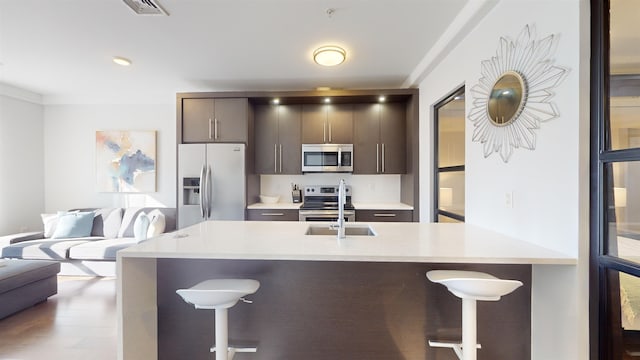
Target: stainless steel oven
pixel 327 157
pixel 320 203
pixel 325 215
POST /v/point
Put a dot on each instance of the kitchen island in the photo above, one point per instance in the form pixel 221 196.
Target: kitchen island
pixel 364 296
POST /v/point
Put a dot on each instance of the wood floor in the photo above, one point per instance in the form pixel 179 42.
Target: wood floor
pixel 77 323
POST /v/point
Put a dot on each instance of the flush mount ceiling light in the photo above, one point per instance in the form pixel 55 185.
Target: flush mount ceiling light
pixel 121 61
pixel 330 55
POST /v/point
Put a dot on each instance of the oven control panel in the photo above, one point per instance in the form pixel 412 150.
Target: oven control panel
pixel 324 190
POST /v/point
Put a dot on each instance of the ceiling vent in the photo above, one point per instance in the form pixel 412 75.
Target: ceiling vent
pixel 146 7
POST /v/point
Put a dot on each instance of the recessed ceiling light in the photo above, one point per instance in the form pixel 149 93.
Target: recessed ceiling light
pixel 330 55
pixel 121 61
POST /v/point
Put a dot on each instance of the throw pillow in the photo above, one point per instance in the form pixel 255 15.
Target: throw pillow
pixel 128 218
pixel 49 221
pixel 106 222
pixel 157 223
pixel 73 225
pixel 141 226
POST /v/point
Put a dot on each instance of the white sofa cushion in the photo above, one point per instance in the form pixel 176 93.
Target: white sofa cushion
pixel 45 249
pixel 128 219
pixel 101 249
pixel 157 223
pixel 107 222
pixel 49 221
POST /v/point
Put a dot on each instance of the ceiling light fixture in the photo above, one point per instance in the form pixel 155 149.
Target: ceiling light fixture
pixel 276 101
pixel 327 100
pixel 121 61
pixel 329 55
pixel 382 99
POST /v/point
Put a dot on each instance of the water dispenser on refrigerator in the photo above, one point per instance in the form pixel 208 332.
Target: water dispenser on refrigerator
pixel 191 189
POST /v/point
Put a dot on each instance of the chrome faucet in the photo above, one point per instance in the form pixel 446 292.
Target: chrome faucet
pixel 342 199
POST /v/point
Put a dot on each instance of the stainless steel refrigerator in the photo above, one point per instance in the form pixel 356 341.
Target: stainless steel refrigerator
pixel 211 183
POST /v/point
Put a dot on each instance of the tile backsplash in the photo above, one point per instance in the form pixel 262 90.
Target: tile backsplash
pixel 366 188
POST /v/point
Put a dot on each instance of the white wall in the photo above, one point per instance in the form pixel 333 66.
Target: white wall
pixel 549 184
pixel 69 153
pixel 21 164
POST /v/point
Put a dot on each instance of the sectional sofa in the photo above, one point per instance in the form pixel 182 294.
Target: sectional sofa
pixel 112 229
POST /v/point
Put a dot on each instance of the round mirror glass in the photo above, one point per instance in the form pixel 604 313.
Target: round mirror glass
pixel 506 98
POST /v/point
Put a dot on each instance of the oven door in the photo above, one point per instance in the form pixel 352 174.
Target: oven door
pixel 325 215
pixel 327 158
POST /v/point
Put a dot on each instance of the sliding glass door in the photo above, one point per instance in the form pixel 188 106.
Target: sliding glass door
pixel 615 180
pixel 449 158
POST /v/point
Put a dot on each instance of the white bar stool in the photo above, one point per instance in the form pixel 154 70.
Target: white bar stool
pixel 470 286
pixel 220 295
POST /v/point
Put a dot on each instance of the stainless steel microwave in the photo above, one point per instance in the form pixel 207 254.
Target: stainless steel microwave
pixel 327 157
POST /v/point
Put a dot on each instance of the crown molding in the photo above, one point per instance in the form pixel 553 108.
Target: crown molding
pixel 20 94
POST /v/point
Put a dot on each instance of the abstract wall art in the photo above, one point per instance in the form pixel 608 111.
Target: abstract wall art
pixel 126 161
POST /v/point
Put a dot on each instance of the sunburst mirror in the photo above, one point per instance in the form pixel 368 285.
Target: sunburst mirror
pixel 514 94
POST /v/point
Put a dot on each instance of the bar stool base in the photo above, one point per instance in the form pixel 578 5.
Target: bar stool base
pixel 231 351
pixel 456 346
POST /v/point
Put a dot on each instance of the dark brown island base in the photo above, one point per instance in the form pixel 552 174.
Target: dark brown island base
pixel 319 310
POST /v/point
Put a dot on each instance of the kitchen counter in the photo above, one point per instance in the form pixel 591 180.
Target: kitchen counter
pixel 286 261
pixel 397 242
pixel 275 206
pixel 382 206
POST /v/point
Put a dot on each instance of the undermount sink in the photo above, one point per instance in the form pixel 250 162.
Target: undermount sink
pixel 350 230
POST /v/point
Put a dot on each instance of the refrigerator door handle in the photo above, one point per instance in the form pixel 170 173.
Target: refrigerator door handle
pixel 203 187
pixel 209 192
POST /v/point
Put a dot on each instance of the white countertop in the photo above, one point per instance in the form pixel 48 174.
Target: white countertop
pixel 358 206
pixel 382 206
pixel 278 205
pixel 394 242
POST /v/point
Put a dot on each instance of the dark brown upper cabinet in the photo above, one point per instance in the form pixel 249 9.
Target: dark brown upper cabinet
pixel 277 139
pixel 380 138
pixel 327 124
pixel 214 120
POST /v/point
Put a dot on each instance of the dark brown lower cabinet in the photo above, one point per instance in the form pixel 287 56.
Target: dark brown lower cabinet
pixel 272 214
pixel 384 215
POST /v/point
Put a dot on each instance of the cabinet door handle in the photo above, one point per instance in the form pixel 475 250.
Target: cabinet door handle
pixel 272 214
pixel 377 158
pixel 215 129
pixel 384 215
pixel 209 128
pixel 383 155
pixel 330 140
pixel 275 158
pixel 280 157
pixel 324 132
